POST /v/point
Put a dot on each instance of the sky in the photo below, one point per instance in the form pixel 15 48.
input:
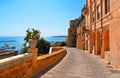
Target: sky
pixel 51 17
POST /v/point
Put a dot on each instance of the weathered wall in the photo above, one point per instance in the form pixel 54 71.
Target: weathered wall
pixel 16 67
pixel 72 32
pixel 115 32
pixel 26 66
pixel 80 41
pixel 107 41
pixel 45 61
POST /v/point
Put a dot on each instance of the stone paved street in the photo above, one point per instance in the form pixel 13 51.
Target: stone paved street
pixel 80 64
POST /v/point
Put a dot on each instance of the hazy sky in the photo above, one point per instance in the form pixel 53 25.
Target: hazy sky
pixel 51 17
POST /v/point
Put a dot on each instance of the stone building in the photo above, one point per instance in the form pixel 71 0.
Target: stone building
pixel 103 21
pixel 80 44
pixel 115 32
pixel 72 32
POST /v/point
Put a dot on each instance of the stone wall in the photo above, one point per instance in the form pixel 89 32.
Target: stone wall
pixel 104 32
pixel 80 41
pixel 16 67
pixel 72 32
pixel 45 61
pixel 28 65
pixel 114 32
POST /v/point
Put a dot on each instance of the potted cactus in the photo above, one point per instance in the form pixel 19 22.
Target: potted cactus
pixel 32 37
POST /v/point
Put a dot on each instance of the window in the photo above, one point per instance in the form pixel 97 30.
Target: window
pixel 99 11
pixel 107 6
pixel 93 16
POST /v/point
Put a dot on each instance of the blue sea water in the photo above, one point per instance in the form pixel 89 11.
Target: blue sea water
pixel 18 41
pixel 12 41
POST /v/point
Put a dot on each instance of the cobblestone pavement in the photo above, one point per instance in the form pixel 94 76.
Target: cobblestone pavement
pixel 80 64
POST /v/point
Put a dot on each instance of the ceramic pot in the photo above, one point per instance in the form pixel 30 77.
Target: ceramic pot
pixel 32 43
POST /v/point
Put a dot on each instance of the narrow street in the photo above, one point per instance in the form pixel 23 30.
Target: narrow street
pixel 80 64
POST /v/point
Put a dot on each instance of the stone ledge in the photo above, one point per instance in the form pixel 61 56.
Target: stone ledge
pixel 11 61
pixel 48 55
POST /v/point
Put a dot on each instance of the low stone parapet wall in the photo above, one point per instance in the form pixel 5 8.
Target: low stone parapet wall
pixel 17 66
pixel 28 65
pixel 48 60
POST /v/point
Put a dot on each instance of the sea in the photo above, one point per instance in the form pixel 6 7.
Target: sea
pixel 17 41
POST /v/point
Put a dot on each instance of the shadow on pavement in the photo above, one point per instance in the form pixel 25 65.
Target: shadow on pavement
pixel 38 75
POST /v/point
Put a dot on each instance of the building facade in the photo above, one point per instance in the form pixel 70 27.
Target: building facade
pixel 80 43
pixel 115 32
pixel 72 32
pixel 102 22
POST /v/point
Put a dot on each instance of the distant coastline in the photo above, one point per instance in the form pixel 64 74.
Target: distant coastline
pixel 53 39
pixel 59 36
pixel 8 41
